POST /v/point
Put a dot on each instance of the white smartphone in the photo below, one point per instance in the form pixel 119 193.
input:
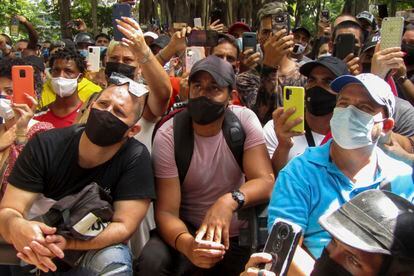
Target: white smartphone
pixel 192 55
pixel 391 32
pixel 197 22
pixel 94 58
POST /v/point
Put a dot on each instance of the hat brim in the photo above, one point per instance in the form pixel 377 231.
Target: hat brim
pixel 303 30
pixel 214 74
pixel 307 68
pixel 351 235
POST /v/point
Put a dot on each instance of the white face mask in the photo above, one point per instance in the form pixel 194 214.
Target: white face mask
pixel 6 112
pixel 299 49
pixel 352 128
pixel 64 87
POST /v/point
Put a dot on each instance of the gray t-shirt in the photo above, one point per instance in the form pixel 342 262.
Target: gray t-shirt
pixel 404 117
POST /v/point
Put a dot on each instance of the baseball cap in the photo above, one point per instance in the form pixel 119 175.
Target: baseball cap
pixel 337 66
pixel 239 25
pixel 379 90
pixel 219 69
pixel 162 41
pixel 151 34
pixel 303 29
pixel 371 41
pixel 366 15
pixel 374 221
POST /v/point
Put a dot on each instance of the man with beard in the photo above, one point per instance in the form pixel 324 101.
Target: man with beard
pixel 62 162
pixel 284 144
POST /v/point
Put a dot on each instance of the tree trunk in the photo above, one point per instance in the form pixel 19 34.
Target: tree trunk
pixel 64 14
pixel 181 12
pixel 393 7
pixel 94 10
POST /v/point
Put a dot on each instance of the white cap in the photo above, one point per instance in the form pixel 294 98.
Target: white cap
pixel 379 90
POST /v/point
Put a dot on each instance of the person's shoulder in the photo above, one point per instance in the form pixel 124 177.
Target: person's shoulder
pixel 242 112
pixel 135 149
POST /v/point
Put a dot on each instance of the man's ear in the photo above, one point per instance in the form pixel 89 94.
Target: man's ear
pixel 135 129
pixel 388 125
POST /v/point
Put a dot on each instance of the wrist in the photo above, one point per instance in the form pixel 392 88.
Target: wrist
pixel 183 244
pixel 227 201
pixel 402 79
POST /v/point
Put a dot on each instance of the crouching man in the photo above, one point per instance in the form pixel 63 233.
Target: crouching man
pixel 62 162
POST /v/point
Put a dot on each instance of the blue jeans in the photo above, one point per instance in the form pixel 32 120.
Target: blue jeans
pixel 109 261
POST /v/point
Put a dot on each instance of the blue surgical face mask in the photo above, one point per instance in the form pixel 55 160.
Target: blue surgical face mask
pixel 84 53
pixel 102 49
pixel 352 128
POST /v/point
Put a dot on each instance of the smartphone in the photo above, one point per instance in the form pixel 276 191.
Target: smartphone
pixel 14 27
pixel 294 96
pixel 23 83
pixel 243 20
pixel 178 26
pixel 382 11
pixel 325 16
pixel 118 11
pixel 344 45
pixel 281 21
pixel 192 55
pixel 197 22
pixel 202 38
pixel 94 58
pixel 281 245
pixel 391 32
pixel 249 41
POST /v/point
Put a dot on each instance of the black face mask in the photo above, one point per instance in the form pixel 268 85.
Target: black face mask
pixel 366 67
pixel 319 102
pixel 204 111
pixel 409 49
pixel 121 68
pixel 325 266
pixel 104 129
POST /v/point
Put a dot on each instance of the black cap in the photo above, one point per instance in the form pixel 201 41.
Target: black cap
pixel 371 41
pixel 375 221
pixel 335 65
pixel 303 29
pixel 219 69
pixel 162 41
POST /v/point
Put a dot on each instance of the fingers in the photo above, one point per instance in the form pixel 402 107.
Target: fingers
pixel 210 233
pixel 248 52
pixel 258 258
pixel 217 234
pixel 349 57
pixel 201 232
pixel 26 259
pixel 40 249
pixel 215 22
pixel 203 244
pixel 33 259
pixel 226 237
pixel 132 22
pixel 47 230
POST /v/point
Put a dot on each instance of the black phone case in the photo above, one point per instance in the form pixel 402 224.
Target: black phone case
pixel 118 11
pixel 344 45
pixel 281 244
pixel 249 40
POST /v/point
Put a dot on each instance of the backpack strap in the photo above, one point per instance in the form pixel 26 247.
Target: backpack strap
pixel 183 142
pixel 235 136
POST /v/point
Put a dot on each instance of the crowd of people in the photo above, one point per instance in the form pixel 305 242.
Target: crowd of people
pixel 141 167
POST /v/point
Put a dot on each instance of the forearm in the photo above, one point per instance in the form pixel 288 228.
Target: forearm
pixel 279 159
pixel 404 141
pixel 33 35
pixel 170 227
pixel 257 190
pixel 166 54
pixel 115 233
pixel 408 90
pixel 7 215
pixel 159 85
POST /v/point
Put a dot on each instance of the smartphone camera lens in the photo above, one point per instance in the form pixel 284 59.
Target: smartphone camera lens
pixel 90 50
pixel 283 232
pixel 22 73
pixel 288 93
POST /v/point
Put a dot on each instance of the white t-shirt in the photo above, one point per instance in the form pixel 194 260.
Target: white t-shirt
pixel 299 142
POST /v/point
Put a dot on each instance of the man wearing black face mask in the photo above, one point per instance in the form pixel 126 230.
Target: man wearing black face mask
pixel 282 143
pixel 196 221
pixel 62 162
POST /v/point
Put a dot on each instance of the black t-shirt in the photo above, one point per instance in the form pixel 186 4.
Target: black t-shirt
pixel 49 165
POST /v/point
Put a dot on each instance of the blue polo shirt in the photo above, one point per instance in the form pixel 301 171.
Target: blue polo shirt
pixel 311 185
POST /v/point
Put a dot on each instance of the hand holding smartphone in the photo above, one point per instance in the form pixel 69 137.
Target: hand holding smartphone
pixel 281 245
pixel 294 96
pixel 23 83
pixel 249 41
pixel 281 21
pixel 344 45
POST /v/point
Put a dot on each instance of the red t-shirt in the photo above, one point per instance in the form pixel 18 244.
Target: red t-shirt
pixel 56 121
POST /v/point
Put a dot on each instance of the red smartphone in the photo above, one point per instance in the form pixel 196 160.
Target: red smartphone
pixel 23 83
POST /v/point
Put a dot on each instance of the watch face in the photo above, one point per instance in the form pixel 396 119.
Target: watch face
pixel 239 196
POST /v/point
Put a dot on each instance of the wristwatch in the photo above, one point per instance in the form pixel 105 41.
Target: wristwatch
pixel 402 79
pixel 238 197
